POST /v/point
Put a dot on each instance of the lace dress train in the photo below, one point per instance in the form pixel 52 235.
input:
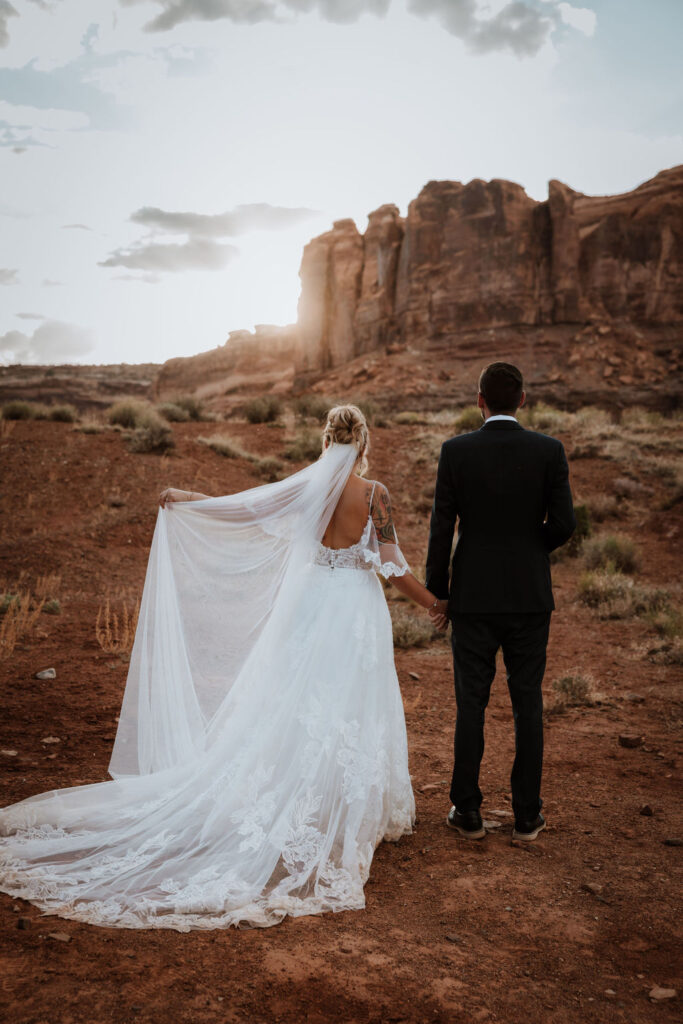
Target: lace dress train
pixel 300 772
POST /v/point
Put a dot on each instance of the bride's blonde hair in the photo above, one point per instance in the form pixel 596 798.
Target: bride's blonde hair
pixel 346 424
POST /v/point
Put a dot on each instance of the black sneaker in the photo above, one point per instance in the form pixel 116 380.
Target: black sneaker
pixel 467 823
pixel 528 830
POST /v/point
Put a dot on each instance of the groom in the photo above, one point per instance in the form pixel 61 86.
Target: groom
pixel 509 489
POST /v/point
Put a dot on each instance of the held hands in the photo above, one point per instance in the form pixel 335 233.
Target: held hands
pixel 438 613
pixel 173 494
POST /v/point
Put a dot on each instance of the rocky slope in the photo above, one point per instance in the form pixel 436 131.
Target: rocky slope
pixel 474 272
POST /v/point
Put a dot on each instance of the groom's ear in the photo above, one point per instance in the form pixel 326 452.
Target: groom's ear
pixel 480 401
pixel 522 400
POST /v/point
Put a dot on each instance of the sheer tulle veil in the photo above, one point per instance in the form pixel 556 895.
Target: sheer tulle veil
pixel 221 571
pixel 261 751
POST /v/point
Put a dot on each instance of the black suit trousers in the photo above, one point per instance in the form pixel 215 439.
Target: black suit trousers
pixel 476 639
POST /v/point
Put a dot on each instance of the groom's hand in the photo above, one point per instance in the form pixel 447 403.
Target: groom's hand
pixel 439 614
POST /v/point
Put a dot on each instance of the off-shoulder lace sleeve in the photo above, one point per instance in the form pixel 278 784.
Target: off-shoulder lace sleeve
pixel 382 548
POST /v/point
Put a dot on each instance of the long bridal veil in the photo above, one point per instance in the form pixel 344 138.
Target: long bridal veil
pixel 254 770
pixel 219 570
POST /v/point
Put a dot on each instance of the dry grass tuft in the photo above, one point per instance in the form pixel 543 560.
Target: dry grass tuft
pixel 266 409
pixel 306 446
pixel 544 417
pixel 611 551
pixel 63 413
pixel 48 586
pixel 602 507
pixel 616 596
pixel 467 419
pixel 408 629
pixel 172 412
pixel 20 613
pixel 18 410
pixel 115 631
pixel 572 691
pixel 312 407
pixel 153 435
pixel 269 466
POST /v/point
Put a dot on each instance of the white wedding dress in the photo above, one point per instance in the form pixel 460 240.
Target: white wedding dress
pixel 261 752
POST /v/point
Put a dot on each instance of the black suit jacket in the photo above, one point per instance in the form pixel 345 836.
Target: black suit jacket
pixel 509 489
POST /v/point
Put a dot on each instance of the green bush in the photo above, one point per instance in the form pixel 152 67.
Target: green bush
pixel 468 419
pixel 63 413
pixel 613 551
pixel 172 412
pixel 266 409
pixel 412 419
pixel 306 446
pixel 52 607
pixel 574 691
pixel 17 410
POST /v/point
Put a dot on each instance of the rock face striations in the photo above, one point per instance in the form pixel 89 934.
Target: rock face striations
pixel 467 260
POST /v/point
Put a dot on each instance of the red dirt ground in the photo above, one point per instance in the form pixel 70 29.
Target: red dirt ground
pixel 453 931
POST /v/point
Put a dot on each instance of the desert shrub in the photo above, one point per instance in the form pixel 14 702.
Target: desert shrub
pixel 583 530
pixel 594 421
pixel 544 417
pixel 152 435
pixel 115 630
pixel 408 629
pixel 63 413
pixel 17 410
pixel 638 418
pixel 610 550
pixel 128 413
pixel 668 651
pixel 52 607
pixel 226 446
pixel 270 467
pixel 411 419
pixel 172 412
pixel 40 411
pixel 572 691
pixel 371 410
pixel 192 405
pixel 602 506
pixel 467 419
pixel 89 425
pixel 312 407
pixel 615 596
pixel 668 622
pixel 306 446
pixel 266 409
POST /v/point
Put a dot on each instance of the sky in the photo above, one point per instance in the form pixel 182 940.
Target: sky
pixel 163 162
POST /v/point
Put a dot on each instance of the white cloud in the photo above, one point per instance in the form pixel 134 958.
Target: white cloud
pixel 581 18
pixel 49 283
pixel 248 217
pixel 8 276
pixel 194 254
pixel 52 342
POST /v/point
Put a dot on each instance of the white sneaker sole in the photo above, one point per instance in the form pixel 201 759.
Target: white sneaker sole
pixel 528 837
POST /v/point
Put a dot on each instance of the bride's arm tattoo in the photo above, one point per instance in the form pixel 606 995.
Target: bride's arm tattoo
pixel 382 518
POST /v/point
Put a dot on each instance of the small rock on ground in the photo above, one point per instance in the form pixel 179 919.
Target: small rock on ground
pixel 46 673
pixel 661 994
pixel 630 740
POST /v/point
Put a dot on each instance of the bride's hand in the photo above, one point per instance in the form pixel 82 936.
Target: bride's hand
pixel 172 494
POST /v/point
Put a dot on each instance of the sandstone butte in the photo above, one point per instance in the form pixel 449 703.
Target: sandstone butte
pixel 585 291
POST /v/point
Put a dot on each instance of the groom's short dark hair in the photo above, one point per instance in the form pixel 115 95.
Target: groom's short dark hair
pixel 501 385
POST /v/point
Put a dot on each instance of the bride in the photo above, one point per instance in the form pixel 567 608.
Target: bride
pixel 261 750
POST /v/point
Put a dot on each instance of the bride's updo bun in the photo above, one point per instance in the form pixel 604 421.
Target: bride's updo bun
pixel 346 424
